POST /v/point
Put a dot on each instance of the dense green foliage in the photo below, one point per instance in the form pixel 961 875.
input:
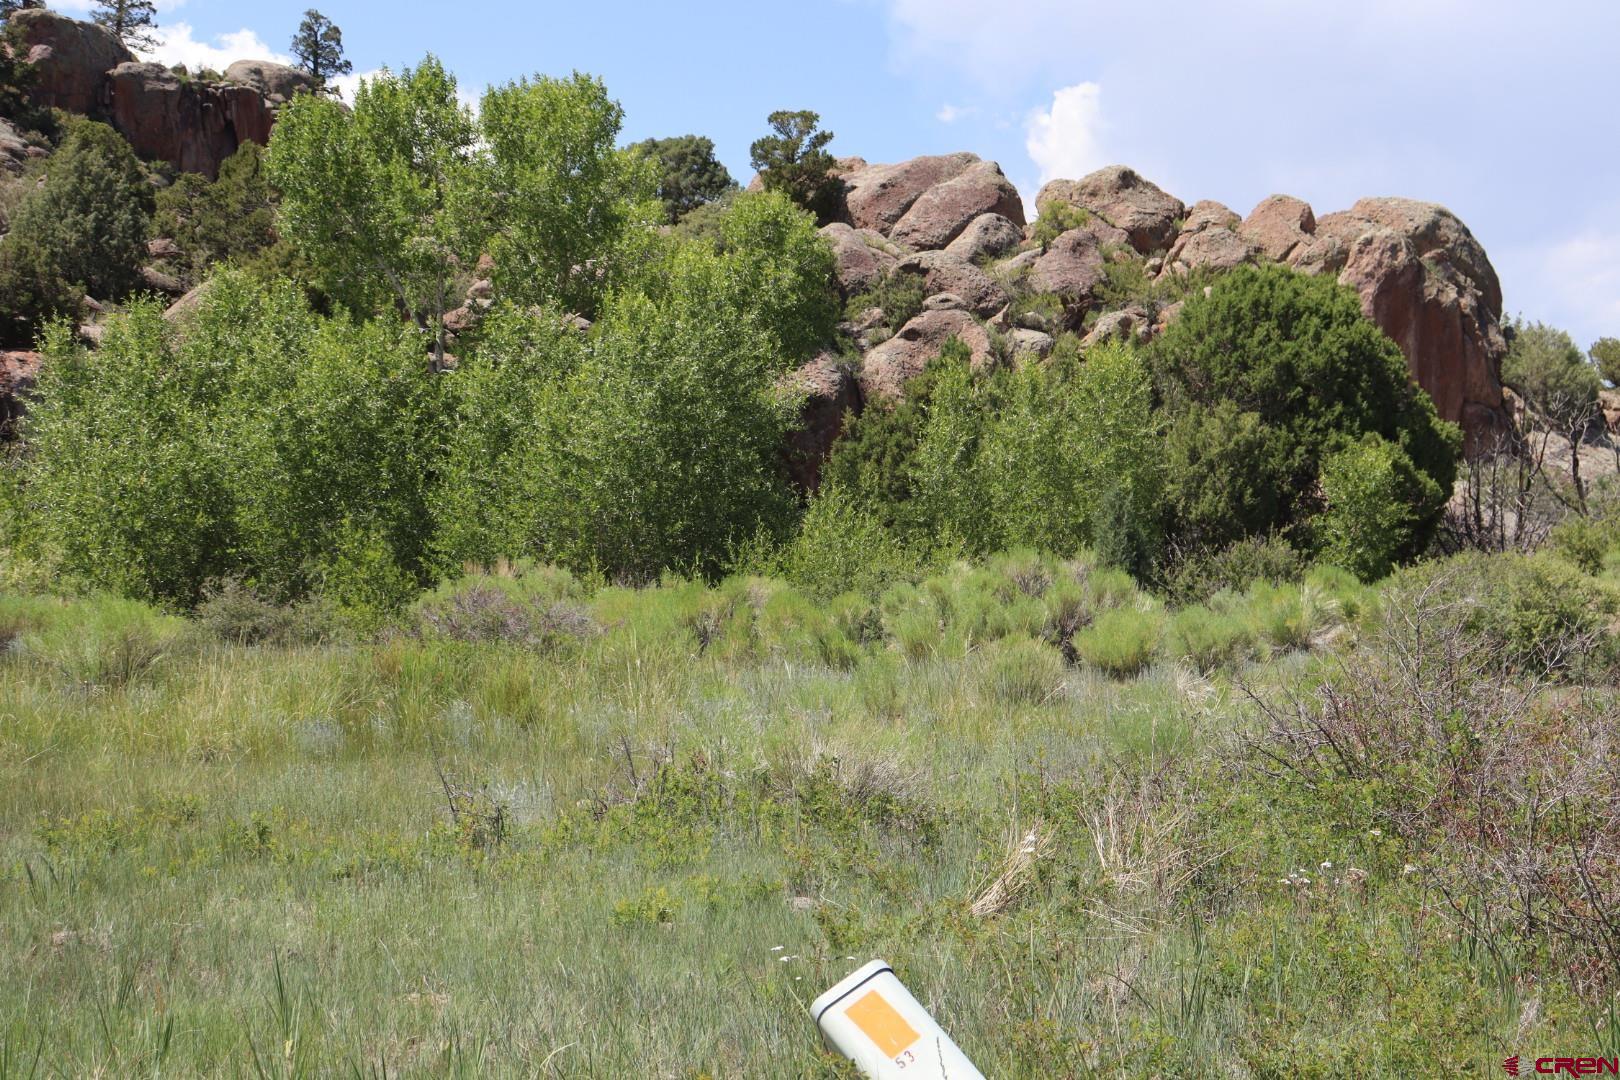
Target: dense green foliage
pixel 90 213
pixel 1267 377
pixel 228 220
pixel 318 48
pixel 32 292
pixel 689 175
pixel 794 160
pixel 264 443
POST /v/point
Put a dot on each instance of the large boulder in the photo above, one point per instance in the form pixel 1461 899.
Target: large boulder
pixel 1425 280
pixel 941 213
pixel 1278 226
pixel 71 59
pixel 275 82
pixel 1071 266
pixel 192 126
pixel 15 151
pixel 1208 240
pixel 1123 199
pixel 831 395
pixel 988 236
pixel 886 369
pixel 943 272
pixel 860 260
pixel 18 370
pixel 877 196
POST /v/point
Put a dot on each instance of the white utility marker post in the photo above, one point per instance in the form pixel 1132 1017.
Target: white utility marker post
pixel 873 1020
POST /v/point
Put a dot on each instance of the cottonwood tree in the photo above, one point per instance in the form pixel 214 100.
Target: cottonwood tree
pixel 318 47
pixel 378 196
pixel 133 21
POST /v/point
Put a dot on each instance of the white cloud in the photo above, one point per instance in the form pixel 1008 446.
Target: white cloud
pixel 1066 139
pixel 948 114
pixel 346 85
pixel 1572 281
pixel 177 44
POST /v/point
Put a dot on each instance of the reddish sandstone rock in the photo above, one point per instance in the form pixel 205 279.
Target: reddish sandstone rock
pixel 1208 240
pixel 877 196
pixel 18 370
pixel 1123 199
pixel 941 213
pixel 193 126
pixel 943 272
pixel 987 236
pixel 71 59
pixel 1279 225
pixel 277 83
pixel 1071 267
pixel 831 396
pixel 887 368
pixel 1425 280
pixel 858 263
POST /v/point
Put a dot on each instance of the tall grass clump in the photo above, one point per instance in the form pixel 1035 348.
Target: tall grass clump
pixel 1023 671
pixel 1122 641
pixel 102 641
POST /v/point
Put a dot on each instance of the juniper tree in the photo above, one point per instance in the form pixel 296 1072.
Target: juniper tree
pixel 318 45
pixel 795 161
pixel 131 20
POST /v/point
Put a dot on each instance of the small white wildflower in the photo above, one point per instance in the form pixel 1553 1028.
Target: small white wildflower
pixel 777 948
pixel 1408 869
pixel 783 959
pixel 798 978
pixel 849 958
pixel 1376 832
pixel 1327 866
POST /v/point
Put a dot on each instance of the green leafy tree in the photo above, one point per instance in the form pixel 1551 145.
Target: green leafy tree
pixel 689 175
pixel 1376 504
pixel 318 48
pixel 90 213
pixel 1292 370
pixel 133 21
pixel 557 193
pixel 1605 353
pixel 231 219
pixel 378 196
pixel 794 160
pixel 17 77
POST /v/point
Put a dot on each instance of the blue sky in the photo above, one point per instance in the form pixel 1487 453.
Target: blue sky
pixel 1503 110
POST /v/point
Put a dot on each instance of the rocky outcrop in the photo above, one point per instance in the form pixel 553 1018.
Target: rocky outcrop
pixel 1208 240
pixel 876 197
pixel 940 214
pixel 943 272
pixel 831 396
pixel 1071 267
pixel 15 150
pixel 1426 282
pixel 860 260
pixel 276 83
pixel 18 370
pixel 888 367
pixel 193 126
pixel 1123 199
pixel 1278 226
pixel 71 59
pixel 986 237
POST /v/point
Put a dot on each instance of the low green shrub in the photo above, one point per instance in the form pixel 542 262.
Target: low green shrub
pixel 1208 639
pixel 899 295
pixel 538 607
pixel 1122 641
pixel 1193 577
pixel 1022 670
pixel 234 613
pixel 1057 218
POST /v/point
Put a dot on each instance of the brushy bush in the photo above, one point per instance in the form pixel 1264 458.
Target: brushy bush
pixel 1209 639
pixel 521 603
pixel 1377 502
pixel 1058 217
pixel 843 547
pixel 103 641
pixel 230 219
pixel 32 292
pixel 235 613
pixel 1022 670
pixel 1546 617
pixel 1122 641
pixel 1288 618
pixel 1585 543
pixel 1196 575
pixel 900 297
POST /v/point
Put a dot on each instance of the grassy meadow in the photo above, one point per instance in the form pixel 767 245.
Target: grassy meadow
pixel 545 828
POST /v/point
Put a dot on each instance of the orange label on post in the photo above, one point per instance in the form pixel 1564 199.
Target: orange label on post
pixel 885 1027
